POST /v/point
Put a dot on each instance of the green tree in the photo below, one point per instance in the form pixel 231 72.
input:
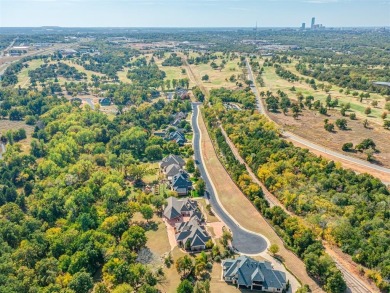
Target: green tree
pixel 190 166
pixel 134 238
pixel 342 124
pixel 205 77
pixel 154 152
pixel 184 265
pixel 274 248
pixel 146 211
pixel 200 187
pixel 335 282
pixel 81 282
pixel 185 287
pixel 347 146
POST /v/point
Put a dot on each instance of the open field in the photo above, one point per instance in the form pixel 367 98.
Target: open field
pixel 6 125
pixel 23 78
pixel 218 78
pixel 273 83
pixel 335 140
pixel 172 72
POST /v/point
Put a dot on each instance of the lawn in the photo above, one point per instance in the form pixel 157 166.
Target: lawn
pixel 149 179
pixel 172 278
pixel 158 241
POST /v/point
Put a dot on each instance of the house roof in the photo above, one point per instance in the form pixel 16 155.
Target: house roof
pixel 172 170
pixel 172 159
pixel 246 270
pixel 172 210
pixel 193 233
pixel 180 181
pixel 176 206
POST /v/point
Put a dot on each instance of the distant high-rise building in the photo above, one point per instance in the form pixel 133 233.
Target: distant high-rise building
pixel 303 25
pixel 313 22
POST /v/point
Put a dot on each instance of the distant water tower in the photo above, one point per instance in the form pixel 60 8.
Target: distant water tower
pixel 313 22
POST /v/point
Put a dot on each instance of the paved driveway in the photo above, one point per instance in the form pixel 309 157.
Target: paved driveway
pixel 243 240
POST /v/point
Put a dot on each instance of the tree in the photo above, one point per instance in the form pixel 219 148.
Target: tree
pixel 154 152
pixel 366 144
pixel 146 211
pixel 323 110
pixel 134 238
pixel 384 115
pixel 190 166
pixel 352 116
pixel 137 172
pixel 15 114
pixel 205 77
pixel 200 187
pixel 342 124
pixel 367 111
pixel 274 248
pixel 123 288
pixel 347 146
pixel 81 282
pixel 335 282
pixel 386 124
pixel 184 265
pixel 272 103
pixel 185 287
pixel 329 127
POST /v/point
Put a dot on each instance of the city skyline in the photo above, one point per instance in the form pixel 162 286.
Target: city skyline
pixel 200 13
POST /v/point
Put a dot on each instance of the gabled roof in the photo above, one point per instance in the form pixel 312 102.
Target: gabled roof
pixel 172 159
pixel 175 207
pixel 172 210
pixel 181 181
pixel 193 233
pixel 172 170
pixel 247 270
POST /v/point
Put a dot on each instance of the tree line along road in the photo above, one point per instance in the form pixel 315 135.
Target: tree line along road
pixel 310 145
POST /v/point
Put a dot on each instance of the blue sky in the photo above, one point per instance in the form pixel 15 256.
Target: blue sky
pixel 193 13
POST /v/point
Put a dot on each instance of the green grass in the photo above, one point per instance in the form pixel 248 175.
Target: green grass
pixel 23 78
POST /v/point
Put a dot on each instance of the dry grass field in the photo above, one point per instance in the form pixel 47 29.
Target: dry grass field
pixel 218 78
pixel 334 140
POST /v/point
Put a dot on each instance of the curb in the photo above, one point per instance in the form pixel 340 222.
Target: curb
pixel 217 198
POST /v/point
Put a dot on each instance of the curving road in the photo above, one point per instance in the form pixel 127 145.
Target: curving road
pixel 243 240
pixel 307 143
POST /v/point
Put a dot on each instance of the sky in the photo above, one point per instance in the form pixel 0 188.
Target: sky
pixel 193 13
